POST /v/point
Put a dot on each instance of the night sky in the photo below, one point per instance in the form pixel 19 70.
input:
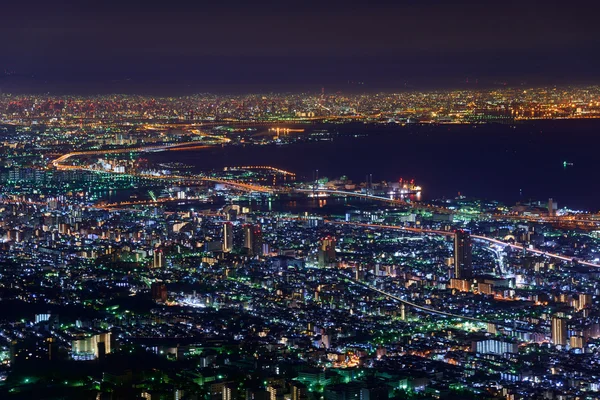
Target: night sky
pixel 175 46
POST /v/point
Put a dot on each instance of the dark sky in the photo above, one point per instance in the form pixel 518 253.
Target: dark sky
pixel 174 45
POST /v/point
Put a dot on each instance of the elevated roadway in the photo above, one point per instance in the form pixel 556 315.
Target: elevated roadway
pixel 414 305
pixel 477 237
pixel 398 202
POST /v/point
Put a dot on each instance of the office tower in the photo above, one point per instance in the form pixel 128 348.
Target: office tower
pixel 576 342
pixel 326 255
pixel 227 237
pixel 559 331
pixel 585 300
pixel 158 260
pixel 463 267
pixel 91 347
pixel 253 240
pixel 248 238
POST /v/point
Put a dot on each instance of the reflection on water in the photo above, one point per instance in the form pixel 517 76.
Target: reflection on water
pixel 487 161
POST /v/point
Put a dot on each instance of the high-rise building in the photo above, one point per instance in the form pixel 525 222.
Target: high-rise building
pixel 552 207
pixel 230 391
pixel 298 391
pixel 253 240
pixel 463 267
pixel 158 291
pixel 248 238
pixel 492 346
pixel 585 300
pixel 158 260
pixel 576 342
pixel 275 392
pixel 460 284
pixel 91 347
pixel 227 237
pixel 52 349
pixel 559 331
pixel 326 255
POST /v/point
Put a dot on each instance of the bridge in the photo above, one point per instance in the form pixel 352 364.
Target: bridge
pixel 58 162
pixel 397 202
pixel 588 222
pixel 262 167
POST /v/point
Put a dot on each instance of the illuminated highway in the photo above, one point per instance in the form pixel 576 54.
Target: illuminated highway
pixel 387 200
pixel 446 233
pixel 411 304
pixel 569 222
pixel 261 167
pixel 590 222
pixel 585 221
pixel 478 237
pixel 58 163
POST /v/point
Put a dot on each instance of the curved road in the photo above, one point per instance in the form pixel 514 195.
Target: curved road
pixel 415 305
pixel 58 163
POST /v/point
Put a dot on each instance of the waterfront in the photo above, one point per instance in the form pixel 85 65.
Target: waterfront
pixel 506 163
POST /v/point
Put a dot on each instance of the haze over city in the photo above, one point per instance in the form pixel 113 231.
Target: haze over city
pixel 187 47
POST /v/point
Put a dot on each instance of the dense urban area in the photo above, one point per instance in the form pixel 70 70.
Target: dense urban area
pixel 126 278
pixel 466 105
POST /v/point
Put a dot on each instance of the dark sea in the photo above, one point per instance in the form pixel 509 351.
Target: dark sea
pixel 509 163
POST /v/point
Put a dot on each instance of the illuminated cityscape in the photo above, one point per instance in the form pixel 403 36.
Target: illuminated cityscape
pixel 503 105
pixel 159 280
pixel 421 223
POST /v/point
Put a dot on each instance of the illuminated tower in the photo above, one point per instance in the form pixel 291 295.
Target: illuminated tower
pixel 463 267
pixel 158 260
pixel 248 238
pixel 326 254
pixel 559 331
pixel 585 300
pixel 253 240
pixel 227 237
